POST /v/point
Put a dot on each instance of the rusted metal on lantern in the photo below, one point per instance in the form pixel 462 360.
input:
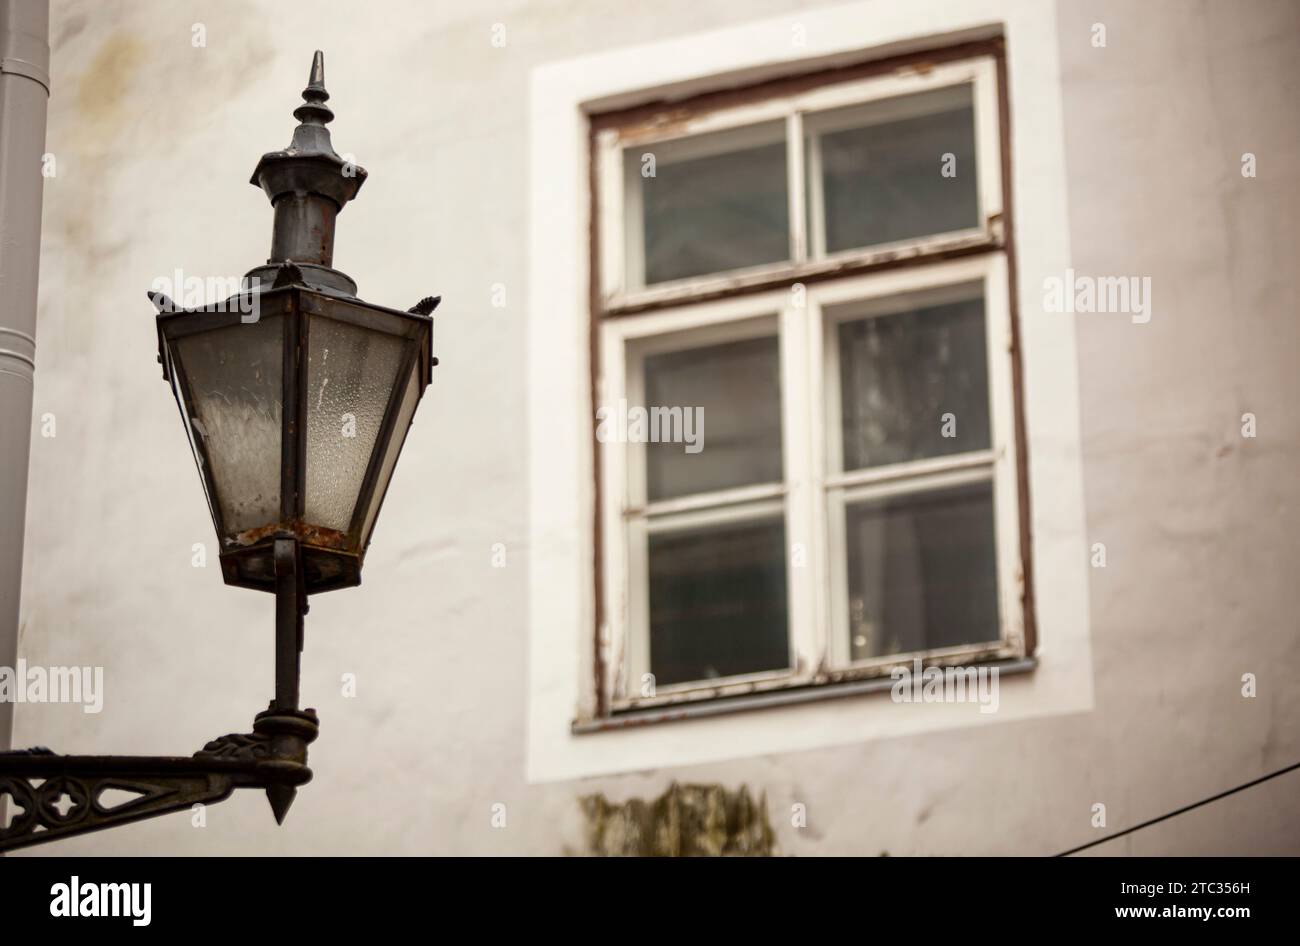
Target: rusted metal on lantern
pixel 296 397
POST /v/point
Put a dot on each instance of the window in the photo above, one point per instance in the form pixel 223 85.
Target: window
pixel 808 449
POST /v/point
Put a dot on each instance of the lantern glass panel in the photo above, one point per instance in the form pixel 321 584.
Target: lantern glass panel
pixel 351 375
pixel 233 376
pixel 405 411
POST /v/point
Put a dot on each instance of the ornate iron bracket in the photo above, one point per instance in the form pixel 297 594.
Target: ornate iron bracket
pixel 53 796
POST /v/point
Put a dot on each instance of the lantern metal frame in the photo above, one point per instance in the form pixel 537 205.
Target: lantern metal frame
pixel 308 185
pixel 330 559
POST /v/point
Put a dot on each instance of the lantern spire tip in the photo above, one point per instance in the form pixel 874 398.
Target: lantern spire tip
pixel 316 81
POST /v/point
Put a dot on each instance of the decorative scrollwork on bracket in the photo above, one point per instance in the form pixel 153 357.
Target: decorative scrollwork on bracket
pixel 45 808
pixel 237 745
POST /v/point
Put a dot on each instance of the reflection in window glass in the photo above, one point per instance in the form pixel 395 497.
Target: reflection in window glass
pixel 713 203
pixel 734 392
pixel 922 572
pixel 901 373
pixel 881 169
pixel 718 602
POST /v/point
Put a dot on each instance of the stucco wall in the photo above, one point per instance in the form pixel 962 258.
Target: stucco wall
pixel 155 140
pixel 1200 524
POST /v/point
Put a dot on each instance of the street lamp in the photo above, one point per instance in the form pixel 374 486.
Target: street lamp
pixel 296 397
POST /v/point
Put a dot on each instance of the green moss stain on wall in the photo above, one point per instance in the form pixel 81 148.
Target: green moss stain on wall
pixel 685 821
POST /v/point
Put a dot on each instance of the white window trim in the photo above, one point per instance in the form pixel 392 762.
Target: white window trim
pixel 561 449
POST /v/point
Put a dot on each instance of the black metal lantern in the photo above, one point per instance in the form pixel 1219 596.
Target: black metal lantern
pixel 296 397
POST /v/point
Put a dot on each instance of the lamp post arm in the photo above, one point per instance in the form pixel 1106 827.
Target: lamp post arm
pixel 160 784
pixel 55 796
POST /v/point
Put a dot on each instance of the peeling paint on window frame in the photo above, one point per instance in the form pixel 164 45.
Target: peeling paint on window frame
pixel 658 119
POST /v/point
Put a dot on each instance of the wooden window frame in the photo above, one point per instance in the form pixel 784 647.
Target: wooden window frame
pixel 789 100
pixel 622 319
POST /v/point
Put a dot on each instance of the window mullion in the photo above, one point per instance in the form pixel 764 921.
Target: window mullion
pixel 826 412
pixel 817 453
pixel 795 175
pixel 801 562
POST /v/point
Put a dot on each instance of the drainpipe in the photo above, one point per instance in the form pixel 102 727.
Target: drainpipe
pixel 24 90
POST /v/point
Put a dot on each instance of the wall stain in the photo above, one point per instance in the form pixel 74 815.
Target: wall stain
pixel 102 88
pixel 685 821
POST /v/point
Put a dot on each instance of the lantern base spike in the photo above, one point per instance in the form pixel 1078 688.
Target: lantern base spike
pixel 280 797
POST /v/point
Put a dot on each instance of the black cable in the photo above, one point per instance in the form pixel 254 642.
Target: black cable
pixel 1186 808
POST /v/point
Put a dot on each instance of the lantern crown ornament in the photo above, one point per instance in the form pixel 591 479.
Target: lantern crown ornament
pixel 308 184
pixel 297 395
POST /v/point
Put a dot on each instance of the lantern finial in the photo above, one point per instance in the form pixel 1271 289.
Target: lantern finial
pixel 314 114
pixel 308 184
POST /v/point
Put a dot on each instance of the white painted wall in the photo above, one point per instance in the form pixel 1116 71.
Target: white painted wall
pixel 1126 163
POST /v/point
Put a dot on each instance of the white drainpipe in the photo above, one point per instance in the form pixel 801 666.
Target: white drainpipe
pixel 24 91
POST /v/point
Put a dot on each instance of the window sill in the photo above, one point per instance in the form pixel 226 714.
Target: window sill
pixel 773 698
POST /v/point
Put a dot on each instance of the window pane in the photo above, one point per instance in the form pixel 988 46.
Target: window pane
pixel 901 373
pixel 881 167
pixel 714 203
pixel 718 602
pixel 733 392
pixel 922 572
